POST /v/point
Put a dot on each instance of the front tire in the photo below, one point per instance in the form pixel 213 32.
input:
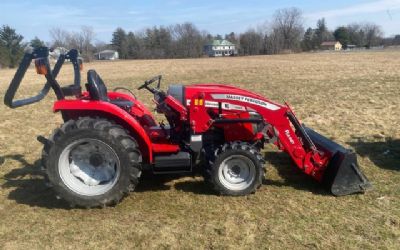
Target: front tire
pixel 93 162
pixel 236 169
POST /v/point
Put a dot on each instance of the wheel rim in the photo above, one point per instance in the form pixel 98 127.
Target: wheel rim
pixel 89 167
pixel 237 172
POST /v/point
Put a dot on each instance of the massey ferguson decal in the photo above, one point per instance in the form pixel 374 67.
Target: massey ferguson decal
pixel 246 99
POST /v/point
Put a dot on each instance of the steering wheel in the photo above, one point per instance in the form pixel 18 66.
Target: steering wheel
pixel 159 95
pixel 149 82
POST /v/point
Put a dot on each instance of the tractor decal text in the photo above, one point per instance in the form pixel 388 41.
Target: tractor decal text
pixel 246 99
pixel 287 133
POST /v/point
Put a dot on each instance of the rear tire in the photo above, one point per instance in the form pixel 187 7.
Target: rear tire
pixel 92 162
pixel 236 169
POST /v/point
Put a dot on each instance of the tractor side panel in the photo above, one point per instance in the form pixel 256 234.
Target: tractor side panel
pixel 237 131
pixel 78 108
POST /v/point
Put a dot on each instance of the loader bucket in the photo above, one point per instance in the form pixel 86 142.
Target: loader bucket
pixel 342 175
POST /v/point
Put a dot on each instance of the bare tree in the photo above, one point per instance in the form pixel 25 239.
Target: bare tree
pixel 365 34
pixel 188 40
pixel 373 35
pixel 87 36
pixel 59 37
pixel 274 43
pixel 356 34
pixel 82 40
pixel 251 42
pixel 288 28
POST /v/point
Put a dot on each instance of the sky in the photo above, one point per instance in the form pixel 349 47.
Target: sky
pixel 36 18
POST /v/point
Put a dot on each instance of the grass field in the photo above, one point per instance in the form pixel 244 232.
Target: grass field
pixel 353 98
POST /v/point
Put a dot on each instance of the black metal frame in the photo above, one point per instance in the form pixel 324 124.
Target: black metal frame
pixel 42 54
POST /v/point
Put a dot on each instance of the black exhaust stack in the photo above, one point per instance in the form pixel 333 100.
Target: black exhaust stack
pixel 342 176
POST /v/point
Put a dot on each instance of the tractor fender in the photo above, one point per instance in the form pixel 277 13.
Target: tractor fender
pixel 73 109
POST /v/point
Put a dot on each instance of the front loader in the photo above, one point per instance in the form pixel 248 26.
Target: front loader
pixel 109 137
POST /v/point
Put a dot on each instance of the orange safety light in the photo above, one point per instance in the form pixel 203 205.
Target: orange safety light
pixel 41 66
pixel 80 61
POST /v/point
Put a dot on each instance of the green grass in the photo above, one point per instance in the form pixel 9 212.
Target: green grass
pixel 352 98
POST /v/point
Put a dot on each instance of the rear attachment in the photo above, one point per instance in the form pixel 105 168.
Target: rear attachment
pixel 342 175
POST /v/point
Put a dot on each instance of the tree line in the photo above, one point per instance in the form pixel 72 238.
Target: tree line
pixel 176 41
pixel 186 40
pixel 285 33
pixel 364 35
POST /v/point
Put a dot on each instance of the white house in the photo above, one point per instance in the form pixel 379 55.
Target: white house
pixel 220 48
pixel 107 55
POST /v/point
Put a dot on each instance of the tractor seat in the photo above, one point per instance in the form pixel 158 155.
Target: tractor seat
pixel 98 91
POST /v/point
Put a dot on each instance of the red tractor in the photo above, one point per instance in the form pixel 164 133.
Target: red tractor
pixel 97 156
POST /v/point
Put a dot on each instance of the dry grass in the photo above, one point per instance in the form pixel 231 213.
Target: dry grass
pixel 351 97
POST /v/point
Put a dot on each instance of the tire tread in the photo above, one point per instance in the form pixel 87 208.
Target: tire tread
pixel 117 134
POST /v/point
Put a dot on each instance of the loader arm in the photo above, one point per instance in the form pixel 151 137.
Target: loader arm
pixel 313 154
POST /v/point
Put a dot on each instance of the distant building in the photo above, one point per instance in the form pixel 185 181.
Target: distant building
pixel 107 55
pixel 331 45
pixel 351 47
pixel 220 48
pixel 56 52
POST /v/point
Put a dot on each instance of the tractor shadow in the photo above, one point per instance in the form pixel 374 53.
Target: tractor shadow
pixel 384 154
pixel 195 186
pixel 190 183
pixel 28 184
pixel 291 175
pixel 150 182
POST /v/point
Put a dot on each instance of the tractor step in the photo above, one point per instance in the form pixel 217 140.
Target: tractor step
pixel 180 162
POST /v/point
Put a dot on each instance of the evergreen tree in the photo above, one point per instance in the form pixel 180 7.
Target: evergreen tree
pixel 133 48
pixel 119 42
pixel 342 35
pixel 12 49
pixel 308 40
pixel 36 43
pixel 322 34
pixel 4 58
